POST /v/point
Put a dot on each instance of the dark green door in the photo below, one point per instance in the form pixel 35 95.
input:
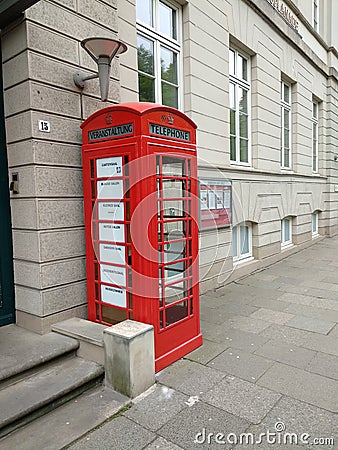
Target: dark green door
pixel 7 308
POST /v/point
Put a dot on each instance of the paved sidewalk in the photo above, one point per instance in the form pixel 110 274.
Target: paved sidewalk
pixel 269 359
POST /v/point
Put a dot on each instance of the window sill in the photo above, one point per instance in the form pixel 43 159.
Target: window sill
pixel 240 164
pixel 242 262
pixel 315 235
pixel 286 246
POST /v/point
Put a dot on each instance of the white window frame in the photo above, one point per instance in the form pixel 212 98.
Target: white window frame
pixel 246 85
pixel 159 39
pixel 314 119
pixel 286 106
pixel 315 14
pixel 315 223
pixel 241 257
pixel 286 243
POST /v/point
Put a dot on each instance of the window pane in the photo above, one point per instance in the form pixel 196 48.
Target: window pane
pixel 167 20
pixel 314 223
pixel 244 151
pixel 145 55
pixel 287 236
pixel 169 95
pixel 232 148
pixel 243 100
pixel 242 68
pixel 146 88
pixel 232 96
pixel 286 138
pixel 168 65
pixel 234 242
pixel 231 62
pixel 244 240
pixel 144 11
pixel 286 93
pixel 286 157
pixel 232 122
pixel 243 125
pixel 315 110
pixel 286 119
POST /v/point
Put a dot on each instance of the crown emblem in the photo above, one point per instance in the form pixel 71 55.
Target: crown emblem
pixel 109 119
pixel 171 119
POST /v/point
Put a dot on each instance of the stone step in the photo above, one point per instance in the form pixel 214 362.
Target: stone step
pixel 66 424
pixel 23 352
pixel 35 395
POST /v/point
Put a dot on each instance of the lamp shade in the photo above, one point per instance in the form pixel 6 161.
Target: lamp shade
pixel 103 47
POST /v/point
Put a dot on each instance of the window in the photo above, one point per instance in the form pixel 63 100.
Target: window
pixel 315 217
pixel 315 137
pixel 286 232
pixel 158 52
pixel 285 125
pixel 239 94
pixel 241 242
pixel 315 15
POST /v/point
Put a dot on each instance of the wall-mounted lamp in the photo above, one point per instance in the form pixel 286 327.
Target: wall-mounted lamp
pixel 102 51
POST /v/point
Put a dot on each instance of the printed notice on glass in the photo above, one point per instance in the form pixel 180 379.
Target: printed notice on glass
pixel 215 203
pixel 110 189
pixel 112 253
pixel 111 232
pixel 109 167
pixel 113 296
pixel 113 274
pixel 111 211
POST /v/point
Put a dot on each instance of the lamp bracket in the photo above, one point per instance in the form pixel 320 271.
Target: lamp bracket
pixel 80 78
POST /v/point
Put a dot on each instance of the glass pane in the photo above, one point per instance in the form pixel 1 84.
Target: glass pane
pixel 168 65
pixel 243 100
pixel 173 188
pixel 176 313
pixel 315 110
pixel 146 87
pixel 314 223
pixel 286 138
pixel 232 122
pixel 169 95
pixel 232 96
pixel 144 11
pixel 167 20
pixel 243 125
pixel 173 166
pixel 286 223
pixel 286 157
pixel 232 148
pixel 286 93
pixel 244 240
pixel 242 68
pixel 286 119
pixel 145 55
pixel 232 62
pixel 174 208
pixel 244 151
pixel 234 242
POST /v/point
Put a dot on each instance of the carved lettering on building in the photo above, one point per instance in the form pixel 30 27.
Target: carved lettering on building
pixel 285 12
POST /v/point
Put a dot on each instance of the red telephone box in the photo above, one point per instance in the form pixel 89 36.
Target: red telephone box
pixel 141 220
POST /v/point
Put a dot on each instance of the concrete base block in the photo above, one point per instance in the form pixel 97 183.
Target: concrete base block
pixel 129 357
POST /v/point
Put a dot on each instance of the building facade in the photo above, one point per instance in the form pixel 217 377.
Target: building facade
pixel 258 77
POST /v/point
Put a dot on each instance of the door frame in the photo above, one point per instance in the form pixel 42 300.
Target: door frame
pixel 7 301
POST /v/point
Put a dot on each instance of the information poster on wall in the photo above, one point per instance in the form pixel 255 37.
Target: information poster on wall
pixel 215 203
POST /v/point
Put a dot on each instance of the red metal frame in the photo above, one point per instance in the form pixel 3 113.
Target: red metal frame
pixel 156 277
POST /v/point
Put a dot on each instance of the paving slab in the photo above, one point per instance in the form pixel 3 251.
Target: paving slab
pixel 157 408
pixel 243 365
pixel 285 334
pixel 67 423
pixel 298 299
pixel 196 422
pixel 287 354
pixel 162 444
pixel 314 312
pixel 297 417
pixel 305 386
pixel 270 315
pixel 189 377
pixel 321 343
pixel 311 324
pixel 118 434
pixel 241 340
pixel 334 332
pixel 248 324
pixel 208 351
pixel 270 303
pixel 324 303
pixel 241 398
pixel 324 364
